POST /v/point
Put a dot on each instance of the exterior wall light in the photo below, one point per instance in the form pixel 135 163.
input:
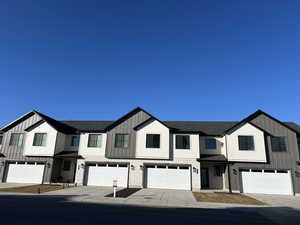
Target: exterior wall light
pixel 195 170
pixel 132 167
pixel 48 165
pixel 141 167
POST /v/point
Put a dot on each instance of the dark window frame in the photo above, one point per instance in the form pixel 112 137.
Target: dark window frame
pixel 74 142
pixel 207 144
pixel 152 137
pixel 11 139
pixel 279 144
pixel 119 144
pixel 43 142
pixel 242 146
pixel 94 145
pixel 182 145
pixel 1 139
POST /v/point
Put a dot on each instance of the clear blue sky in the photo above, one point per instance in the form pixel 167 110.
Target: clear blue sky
pixel 180 60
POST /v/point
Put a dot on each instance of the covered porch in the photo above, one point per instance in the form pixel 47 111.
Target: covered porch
pixel 64 167
pixel 213 173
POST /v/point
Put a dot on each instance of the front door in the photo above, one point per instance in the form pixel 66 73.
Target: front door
pixel 204 178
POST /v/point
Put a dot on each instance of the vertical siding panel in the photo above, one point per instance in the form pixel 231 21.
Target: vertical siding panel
pixel 125 127
pixel 278 160
pixel 15 153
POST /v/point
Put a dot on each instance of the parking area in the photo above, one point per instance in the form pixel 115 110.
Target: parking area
pixel 279 200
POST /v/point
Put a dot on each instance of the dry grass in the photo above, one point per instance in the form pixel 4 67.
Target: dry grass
pixel 35 189
pixel 219 197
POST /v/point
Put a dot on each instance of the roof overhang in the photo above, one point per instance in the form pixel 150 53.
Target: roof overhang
pixel 68 154
pixel 212 158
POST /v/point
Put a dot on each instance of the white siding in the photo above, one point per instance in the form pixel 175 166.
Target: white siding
pixel 85 151
pixel 49 149
pixel 156 153
pixel 192 153
pixel 221 146
pixel 259 153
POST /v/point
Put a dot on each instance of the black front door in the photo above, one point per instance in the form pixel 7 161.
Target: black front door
pixel 204 178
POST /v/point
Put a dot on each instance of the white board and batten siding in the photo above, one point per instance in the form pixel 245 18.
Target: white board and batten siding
pixel 25 173
pixel 105 174
pixel 266 182
pixel 168 177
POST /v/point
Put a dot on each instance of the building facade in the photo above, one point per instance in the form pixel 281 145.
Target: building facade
pixel 258 154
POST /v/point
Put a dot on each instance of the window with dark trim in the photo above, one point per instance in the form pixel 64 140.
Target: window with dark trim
pixel 182 142
pixel 122 141
pixel 67 165
pixel 75 141
pixel 1 139
pixel 210 143
pixel 39 139
pixel 246 143
pixel 95 141
pixel 278 144
pixel 16 139
pixel 152 140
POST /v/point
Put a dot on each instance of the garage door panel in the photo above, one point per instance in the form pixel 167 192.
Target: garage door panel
pixel 267 183
pixel 25 173
pixel 104 176
pixel 168 178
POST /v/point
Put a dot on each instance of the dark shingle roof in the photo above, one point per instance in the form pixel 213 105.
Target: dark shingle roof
pixel 59 126
pixel 207 127
pixel 88 125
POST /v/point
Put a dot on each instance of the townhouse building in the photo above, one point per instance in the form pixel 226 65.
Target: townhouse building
pixel 258 154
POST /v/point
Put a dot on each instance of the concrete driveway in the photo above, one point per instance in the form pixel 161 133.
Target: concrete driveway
pixel 158 197
pixel 279 200
pixel 12 185
pixel 148 206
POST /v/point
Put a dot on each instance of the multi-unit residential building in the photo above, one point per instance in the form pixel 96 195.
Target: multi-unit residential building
pixel 258 154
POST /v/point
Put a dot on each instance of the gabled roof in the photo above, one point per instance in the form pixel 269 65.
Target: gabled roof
pixel 148 121
pixel 17 121
pixel 59 126
pixel 130 114
pixel 256 114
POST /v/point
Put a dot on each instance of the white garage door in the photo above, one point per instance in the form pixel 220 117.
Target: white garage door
pixel 25 173
pixel 169 177
pixel 104 174
pixel 267 182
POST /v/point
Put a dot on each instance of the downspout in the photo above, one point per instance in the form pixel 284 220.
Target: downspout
pixel 228 167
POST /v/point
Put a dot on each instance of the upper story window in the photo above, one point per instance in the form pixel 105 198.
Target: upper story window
pixel 39 139
pixel 210 143
pixel 121 140
pixel 153 141
pixel 75 141
pixel 278 144
pixel 182 142
pixel 1 139
pixel 246 143
pixel 95 141
pixel 16 139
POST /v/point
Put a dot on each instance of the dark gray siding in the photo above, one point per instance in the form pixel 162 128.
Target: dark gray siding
pixel 15 153
pixel 276 160
pixel 125 127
